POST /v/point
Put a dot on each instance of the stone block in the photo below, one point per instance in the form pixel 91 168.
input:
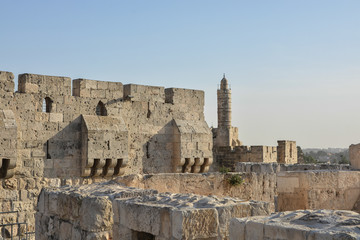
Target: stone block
pixel 237 229
pixel 98 93
pixel 65 232
pixel 102 85
pixel 46 85
pixel 287 183
pixel 100 216
pixel 56 117
pixel 354 153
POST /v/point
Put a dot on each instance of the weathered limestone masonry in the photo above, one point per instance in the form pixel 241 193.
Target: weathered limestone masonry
pixel 255 186
pixel 228 150
pixel 82 212
pixel 301 225
pixel 354 152
pixel 285 153
pixel 119 212
pixel 229 156
pixel 60 134
pixel 251 167
pixel 179 216
pixel 318 190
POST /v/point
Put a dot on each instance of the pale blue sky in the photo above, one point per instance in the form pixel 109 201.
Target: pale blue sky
pixel 294 66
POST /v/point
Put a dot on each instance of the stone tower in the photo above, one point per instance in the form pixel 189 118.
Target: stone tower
pixel 225 134
pixel 224 104
pixel 287 152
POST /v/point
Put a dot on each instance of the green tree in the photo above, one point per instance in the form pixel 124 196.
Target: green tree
pixel 309 159
pixel 343 160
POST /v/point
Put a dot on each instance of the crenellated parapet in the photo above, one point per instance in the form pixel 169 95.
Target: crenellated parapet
pixel 44 85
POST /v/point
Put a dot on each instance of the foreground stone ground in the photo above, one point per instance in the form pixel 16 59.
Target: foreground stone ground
pixel 112 211
pixel 301 225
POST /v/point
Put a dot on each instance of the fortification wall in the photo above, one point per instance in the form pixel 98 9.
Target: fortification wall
pixel 251 167
pixel 287 152
pixel 318 190
pixel 259 187
pixel 229 156
pixel 52 124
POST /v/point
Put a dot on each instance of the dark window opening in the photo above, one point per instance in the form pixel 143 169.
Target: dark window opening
pixel 101 109
pixel 47 105
pixel 4 167
pixel 148 112
pixel 141 235
pixel 48 156
pixel 5 233
pixel 147 150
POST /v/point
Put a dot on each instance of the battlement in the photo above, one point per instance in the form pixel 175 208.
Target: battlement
pixel 97 89
pixel 184 96
pixel 285 152
pixel 7 82
pixel 53 86
pixel 45 85
pixel 48 112
pixel 144 93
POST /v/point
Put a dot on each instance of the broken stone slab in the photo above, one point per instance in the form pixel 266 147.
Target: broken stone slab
pixel 301 224
pixel 180 216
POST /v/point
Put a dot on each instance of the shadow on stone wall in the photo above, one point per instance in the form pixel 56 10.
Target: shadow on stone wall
pixel 63 152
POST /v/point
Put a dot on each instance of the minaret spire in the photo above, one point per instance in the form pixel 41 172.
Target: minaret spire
pixel 224 104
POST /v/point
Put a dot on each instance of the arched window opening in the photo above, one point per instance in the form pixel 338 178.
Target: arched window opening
pixel 101 109
pixel 46 105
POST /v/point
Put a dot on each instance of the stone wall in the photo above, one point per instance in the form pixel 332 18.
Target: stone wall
pixel 301 225
pixel 82 212
pixel 111 211
pixel 259 187
pixel 287 152
pixel 354 154
pixel 229 156
pixel 249 167
pixel 180 216
pixel 55 133
pixel 318 190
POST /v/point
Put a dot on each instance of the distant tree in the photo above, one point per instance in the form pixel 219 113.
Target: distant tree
pixel 343 160
pixel 300 154
pixel 309 159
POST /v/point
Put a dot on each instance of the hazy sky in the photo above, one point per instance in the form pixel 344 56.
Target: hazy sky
pixel 294 66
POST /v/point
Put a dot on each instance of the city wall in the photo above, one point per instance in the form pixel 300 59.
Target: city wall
pixel 254 186
pixel 56 132
pixel 229 156
pixel 318 190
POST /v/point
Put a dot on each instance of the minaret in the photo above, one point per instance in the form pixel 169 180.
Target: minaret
pixel 224 104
